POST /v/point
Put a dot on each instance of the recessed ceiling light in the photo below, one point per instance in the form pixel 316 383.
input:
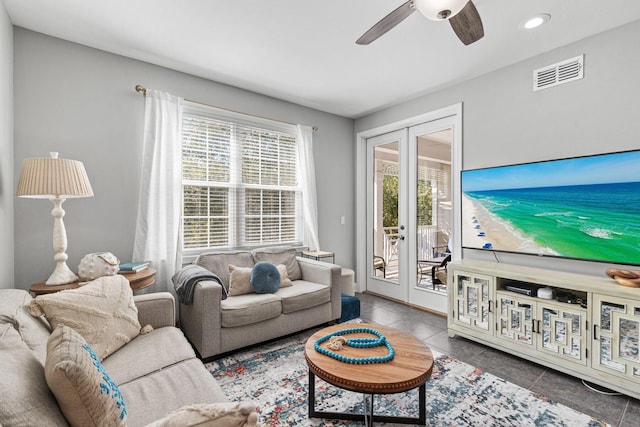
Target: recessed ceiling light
pixel 534 21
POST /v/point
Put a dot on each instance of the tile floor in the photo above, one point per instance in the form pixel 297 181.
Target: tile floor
pixel 620 410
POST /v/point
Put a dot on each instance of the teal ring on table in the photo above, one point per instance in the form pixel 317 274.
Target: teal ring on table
pixel 357 343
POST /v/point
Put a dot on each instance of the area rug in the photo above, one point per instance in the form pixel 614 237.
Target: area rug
pixel 275 378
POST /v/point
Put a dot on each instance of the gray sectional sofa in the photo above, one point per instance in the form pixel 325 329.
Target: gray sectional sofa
pixel 157 373
pixel 215 325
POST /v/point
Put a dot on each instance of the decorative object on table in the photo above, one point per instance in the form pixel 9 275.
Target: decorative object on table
pixel 57 180
pixel 98 264
pixel 627 278
pixel 134 267
pixel 337 342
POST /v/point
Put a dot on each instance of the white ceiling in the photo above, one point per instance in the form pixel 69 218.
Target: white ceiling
pixel 304 51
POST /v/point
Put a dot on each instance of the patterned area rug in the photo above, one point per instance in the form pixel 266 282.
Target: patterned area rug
pixel 275 377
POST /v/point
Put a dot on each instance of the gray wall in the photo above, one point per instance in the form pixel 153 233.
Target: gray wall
pixel 7 191
pixel 505 122
pixel 81 102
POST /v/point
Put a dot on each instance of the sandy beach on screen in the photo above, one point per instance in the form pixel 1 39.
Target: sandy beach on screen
pixel 501 235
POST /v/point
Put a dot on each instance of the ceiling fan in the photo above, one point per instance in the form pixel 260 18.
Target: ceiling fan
pixel 461 14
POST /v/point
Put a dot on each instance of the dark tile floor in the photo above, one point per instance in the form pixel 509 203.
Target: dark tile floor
pixel 617 410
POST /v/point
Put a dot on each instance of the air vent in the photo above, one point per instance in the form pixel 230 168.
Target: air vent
pixel 559 73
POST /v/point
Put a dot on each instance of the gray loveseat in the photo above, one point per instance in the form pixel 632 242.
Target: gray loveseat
pixel 157 372
pixel 215 325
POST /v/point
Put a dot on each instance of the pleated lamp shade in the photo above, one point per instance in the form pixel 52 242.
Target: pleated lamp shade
pixel 44 178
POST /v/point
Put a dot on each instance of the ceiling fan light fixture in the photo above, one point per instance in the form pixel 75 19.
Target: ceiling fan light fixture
pixel 439 10
pixel 535 21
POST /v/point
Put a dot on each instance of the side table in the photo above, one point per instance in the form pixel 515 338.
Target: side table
pixel 318 255
pixel 139 280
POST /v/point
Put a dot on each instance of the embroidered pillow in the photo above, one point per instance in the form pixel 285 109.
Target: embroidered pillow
pixel 239 280
pixel 228 414
pixel 265 278
pixel 102 311
pixel 85 393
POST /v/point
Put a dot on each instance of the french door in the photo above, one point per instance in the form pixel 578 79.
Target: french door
pixel 387 214
pixel 409 212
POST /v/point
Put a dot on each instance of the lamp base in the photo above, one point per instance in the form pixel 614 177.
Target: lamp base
pixel 61 275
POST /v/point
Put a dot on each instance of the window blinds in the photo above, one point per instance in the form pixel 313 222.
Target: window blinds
pixel 239 184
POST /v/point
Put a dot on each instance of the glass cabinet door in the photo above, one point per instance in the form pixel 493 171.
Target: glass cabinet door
pixel 562 331
pixel 616 334
pixel 515 318
pixel 473 301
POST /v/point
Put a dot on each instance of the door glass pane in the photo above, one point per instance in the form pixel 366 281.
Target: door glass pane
pixel 472 301
pixel 561 332
pixel 574 320
pixel 433 208
pixel 606 357
pixel 629 330
pixel 605 314
pixel 385 211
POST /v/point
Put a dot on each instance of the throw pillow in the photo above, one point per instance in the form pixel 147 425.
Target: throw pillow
pixel 218 263
pixel 265 278
pixel 284 276
pixel 211 415
pixel 25 398
pixel 102 311
pixel 239 280
pixel 85 392
pixel 286 256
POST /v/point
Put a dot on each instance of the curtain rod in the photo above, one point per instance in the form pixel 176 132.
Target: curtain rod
pixel 142 90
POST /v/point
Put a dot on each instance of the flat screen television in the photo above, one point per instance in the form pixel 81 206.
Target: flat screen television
pixel 585 208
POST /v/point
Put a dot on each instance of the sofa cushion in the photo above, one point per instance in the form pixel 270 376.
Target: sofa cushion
pixel 218 263
pixel 239 280
pixel 250 308
pixel 85 392
pixel 26 399
pixel 228 414
pixel 265 278
pixel 167 345
pixel 102 311
pixel 153 396
pixel 285 256
pixel 34 331
pixel 303 295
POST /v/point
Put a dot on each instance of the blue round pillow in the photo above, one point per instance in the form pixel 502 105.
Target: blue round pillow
pixel 265 278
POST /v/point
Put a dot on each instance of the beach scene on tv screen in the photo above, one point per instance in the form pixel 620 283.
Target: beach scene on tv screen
pixel 585 208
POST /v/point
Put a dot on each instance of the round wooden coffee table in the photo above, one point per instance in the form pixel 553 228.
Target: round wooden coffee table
pixel 410 368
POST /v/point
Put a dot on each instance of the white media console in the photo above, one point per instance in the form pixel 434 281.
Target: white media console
pixel 590 329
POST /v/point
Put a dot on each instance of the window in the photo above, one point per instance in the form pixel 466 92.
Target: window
pixel 238 181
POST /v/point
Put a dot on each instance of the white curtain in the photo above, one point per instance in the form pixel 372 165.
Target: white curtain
pixel 158 234
pixel 307 180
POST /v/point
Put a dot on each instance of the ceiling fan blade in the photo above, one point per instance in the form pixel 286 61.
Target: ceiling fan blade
pixel 387 23
pixel 467 24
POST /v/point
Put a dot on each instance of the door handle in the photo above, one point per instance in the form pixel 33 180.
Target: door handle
pixel 401 237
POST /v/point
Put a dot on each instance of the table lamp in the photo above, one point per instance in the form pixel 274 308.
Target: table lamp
pixel 57 180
